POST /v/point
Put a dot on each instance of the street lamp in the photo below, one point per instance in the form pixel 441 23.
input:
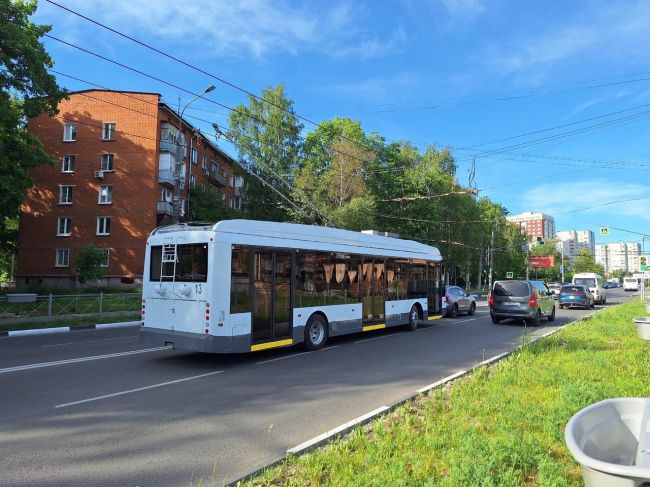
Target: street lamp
pixel 177 172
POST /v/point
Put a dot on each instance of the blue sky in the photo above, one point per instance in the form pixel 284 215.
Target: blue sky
pixel 471 75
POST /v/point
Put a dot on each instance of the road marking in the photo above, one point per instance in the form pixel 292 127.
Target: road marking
pixel 377 338
pixel 314 442
pixel 82 359
pixel 98 398
pixel 295 355
pixel 88 341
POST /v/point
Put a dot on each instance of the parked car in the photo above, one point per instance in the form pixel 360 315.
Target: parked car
pixel 458 301
pixel 522 300
pixel 555 289
pixel 573 295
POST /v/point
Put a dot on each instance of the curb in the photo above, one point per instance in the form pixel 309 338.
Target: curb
pixel 65 329
pixel 345 428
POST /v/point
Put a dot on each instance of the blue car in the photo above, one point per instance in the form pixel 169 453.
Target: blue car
pixel 576 295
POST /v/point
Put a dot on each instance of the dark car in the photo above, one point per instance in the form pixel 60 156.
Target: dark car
pixel 522 300
pixel 573 295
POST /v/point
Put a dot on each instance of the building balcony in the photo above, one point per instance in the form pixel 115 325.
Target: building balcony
pixel 164 208
pixel 166 177
pixel 217 179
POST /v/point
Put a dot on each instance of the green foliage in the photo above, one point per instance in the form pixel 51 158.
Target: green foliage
pixel 89 262
pixel 584 262
pixel 26 90
pixel 207 206
pixel 267 136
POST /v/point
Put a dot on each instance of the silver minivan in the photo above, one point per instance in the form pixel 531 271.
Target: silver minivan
pixel 521 300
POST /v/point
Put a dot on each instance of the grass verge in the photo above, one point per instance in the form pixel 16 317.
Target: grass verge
pixel 501 426
pixel 73 322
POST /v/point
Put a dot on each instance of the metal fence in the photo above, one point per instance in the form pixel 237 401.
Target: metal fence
pixel 52 306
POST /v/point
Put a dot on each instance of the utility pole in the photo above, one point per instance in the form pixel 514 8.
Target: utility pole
pixel 479 280
pixel 179 163
pixel 491 259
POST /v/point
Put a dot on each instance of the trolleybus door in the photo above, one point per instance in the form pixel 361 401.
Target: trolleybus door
pixel 372 289
pixel 271 296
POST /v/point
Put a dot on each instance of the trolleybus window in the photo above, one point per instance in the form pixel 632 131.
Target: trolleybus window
pixel 240 280
pixel 191 264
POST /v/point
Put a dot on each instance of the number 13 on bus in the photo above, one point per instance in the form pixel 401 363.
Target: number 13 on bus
pixel 244 285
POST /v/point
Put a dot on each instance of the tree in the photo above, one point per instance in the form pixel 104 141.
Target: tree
pixel 89 263
pixel 26 90
pixel 207 206
pixel 267 136
pixel 584 262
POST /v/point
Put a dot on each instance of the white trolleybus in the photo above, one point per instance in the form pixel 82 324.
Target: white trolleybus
pixel 243 285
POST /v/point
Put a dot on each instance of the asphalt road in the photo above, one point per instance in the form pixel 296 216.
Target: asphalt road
pixel 97 408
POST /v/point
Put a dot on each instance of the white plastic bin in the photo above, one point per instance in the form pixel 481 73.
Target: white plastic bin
pixel 611 440
pixel 643 327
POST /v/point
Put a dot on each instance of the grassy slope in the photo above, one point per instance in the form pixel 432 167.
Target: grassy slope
pixel 501 426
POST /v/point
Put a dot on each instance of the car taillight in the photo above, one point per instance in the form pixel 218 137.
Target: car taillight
pixel 490 299
pixel 533 302
pixel 446 299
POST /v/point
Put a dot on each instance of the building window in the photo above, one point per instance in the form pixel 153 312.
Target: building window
pixel 192 181
pixel 237 203
pixel 166 195
pixel 67 164
pixel 62 258
pixel 105 195
pixel 103 225
pixel 193 156
pixel 105 257
pixel 204 163
pixel 69 132
pixel 213 167
pixel 107 162
pixel 108 131
pixel 65 195
pixel 202 185
pixel 63 227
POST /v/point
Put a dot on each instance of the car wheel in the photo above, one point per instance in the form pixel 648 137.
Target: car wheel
pixel 453 311
pixel 551 317
pixel 536 320
pixel 315 332
pixel 472 309
pixel 495 320
pixel 414 318
pixel 561 306
pixel 592 306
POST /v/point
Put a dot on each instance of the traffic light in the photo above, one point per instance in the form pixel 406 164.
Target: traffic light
pixel 643 263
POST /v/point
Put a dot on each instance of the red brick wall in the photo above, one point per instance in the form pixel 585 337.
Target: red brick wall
pixel 134 182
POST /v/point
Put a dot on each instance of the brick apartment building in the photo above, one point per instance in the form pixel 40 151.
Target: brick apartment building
pixel 535 225
pixel 113 183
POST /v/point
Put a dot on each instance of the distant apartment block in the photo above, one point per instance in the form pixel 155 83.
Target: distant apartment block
pixel 571 242
pixel 117 157
pixel 618 256
pixel 535 225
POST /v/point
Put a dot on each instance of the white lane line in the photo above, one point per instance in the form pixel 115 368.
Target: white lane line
pixel 82 359
pixel 98 398
pixel 294 355
pixel 88 341
pixel 338 430
pixel 377 338
pixel 442 381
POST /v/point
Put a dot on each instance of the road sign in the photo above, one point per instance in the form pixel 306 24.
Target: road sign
pixel 561 268
pixel 643 263
pixel 509 275
pixel 604 231
pixel 541 262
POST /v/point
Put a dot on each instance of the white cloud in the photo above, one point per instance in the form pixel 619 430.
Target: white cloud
pixel 613 30
pixel 564 198
pixel 234 28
